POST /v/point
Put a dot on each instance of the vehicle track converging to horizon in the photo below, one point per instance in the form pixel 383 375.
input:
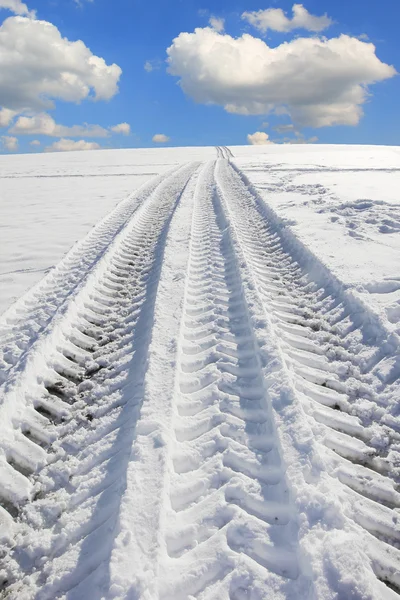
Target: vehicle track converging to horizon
pixel 192 407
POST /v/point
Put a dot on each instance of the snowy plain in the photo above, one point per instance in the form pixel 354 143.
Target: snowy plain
pixel 201 397
pixel 344 203
pixel 50 201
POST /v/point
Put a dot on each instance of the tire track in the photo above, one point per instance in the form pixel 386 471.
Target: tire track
pixel 169 422
pixel 229 505
pixel 224 152
pixel 27 319
pixel 65 470
pixel 340 379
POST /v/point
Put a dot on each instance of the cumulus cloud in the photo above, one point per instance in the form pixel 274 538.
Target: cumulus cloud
pixel 6 116
pixel 318 82
pixel 9 143
pixel 276 19
pixel 44 124
pixel 65 145
pixel 35 143
pixel 38 66
pixel 259 138
pixel 123 128
pixel 160 138
pixel 17 7
pixel 217 23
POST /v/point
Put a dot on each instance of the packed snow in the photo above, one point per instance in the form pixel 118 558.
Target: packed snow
pixel 200 398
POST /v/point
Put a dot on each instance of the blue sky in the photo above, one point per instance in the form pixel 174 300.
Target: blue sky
pixel 131 32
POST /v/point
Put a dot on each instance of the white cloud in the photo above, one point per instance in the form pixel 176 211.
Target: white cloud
pixel 6 116
pixel 65 145
pixel 259 138
pixel 318 82
pixel 123 128
pixel 217 23
pixel 38 65
pixel 160 138
pixel 152 65
pixel 44 124
pixel 35 143
pixel 9 143
pixel 275 19
pixel 285 128
pixel 17 7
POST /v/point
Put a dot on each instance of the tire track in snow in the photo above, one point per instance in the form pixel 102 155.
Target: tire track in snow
pixel 229 525
pixel 327 343
pixel 65 470
pixel 134 560
pixel 224 152
pixel 116 483
pixel 29 316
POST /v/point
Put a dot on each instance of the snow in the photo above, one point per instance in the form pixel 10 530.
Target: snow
pixel 50 201
pixel 200 398
pixel 343 203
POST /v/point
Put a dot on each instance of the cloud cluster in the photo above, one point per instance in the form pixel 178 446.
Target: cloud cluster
pixel 44 124
pixel 160 138
pixel 318 82
pixel 259 138
pixel 65 145
pixel 275 19
pixel 38 66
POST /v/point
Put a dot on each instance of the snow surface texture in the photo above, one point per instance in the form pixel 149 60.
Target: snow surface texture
pixel 194 405
pixel 343 202
pixel 49 201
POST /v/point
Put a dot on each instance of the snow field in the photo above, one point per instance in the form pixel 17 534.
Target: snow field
pixel 343 203
pixel 50 201
pixel 195 407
